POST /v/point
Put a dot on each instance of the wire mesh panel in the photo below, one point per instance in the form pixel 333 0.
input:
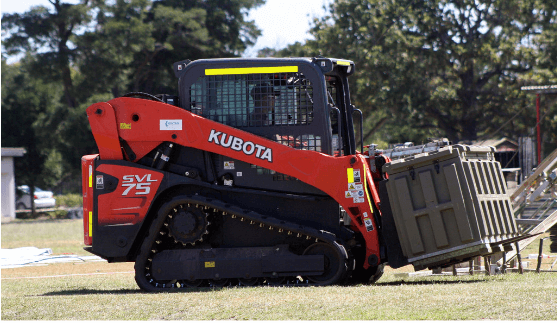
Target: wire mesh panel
pixel 254 100
pixel 278 106
pixel 303 142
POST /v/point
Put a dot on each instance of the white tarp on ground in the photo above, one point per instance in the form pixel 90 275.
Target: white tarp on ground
pixel 29 256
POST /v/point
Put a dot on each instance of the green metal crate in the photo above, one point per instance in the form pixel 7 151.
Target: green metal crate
pixel 450 205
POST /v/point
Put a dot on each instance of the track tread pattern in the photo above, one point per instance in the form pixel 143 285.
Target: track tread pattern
pixel 149 245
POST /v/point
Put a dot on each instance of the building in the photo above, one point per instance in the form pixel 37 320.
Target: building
pixel 518 159
pixel 8 181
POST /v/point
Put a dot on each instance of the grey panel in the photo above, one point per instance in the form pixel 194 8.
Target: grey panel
pixel 412 237
pixel 451 204
pixel 458 203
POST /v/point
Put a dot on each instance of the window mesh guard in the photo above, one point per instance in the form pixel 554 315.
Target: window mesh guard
pixel 254 100
pixel 259 100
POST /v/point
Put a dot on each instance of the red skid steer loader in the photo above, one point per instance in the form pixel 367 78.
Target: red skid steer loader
pixel 251 175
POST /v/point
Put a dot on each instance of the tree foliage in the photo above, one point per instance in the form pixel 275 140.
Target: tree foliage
pixel 431 68
pixel 47 34
pixel 25 102
pixel 424 68
pixel 79 54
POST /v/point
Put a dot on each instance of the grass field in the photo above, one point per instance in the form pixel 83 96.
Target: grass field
pixel 102 291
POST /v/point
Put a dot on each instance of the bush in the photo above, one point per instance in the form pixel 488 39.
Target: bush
pixel 69 200
pixel 72 205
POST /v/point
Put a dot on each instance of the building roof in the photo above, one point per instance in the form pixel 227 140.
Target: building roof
pixel 540 88
pixel 13 152
pixel 498 143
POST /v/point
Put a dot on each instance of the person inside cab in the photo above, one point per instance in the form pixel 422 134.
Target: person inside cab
pixel 264 111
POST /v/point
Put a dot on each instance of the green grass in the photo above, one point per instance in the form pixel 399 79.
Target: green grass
pixel 62 236
pixel 115 296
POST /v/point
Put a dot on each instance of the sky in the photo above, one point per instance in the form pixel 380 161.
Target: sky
pixel 282 22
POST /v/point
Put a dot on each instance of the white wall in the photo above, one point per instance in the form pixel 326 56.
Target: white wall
pixel 8 187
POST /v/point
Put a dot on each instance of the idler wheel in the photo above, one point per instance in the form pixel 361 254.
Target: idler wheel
pixel 248 281
pixel 334 266
pixel 192 283
pixel 218 282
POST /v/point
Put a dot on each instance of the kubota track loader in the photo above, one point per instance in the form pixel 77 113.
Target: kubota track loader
pixel 251 175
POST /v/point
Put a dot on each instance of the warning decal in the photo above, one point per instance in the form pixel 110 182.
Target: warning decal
pixel 357 177
pixel 359 200
pixel 368 223
pixel 229 164
pixel 355 187
pixel 100 182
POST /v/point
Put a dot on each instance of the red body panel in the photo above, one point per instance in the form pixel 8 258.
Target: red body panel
pixel 106 135
pixel 87 167
pixel 128 203
pixel 145 124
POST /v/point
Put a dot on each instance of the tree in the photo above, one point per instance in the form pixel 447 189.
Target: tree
pixel 96 50
pixel 443 67
pixel 109 54
pixel 25 100
pixel 370 33
pixel 47 34
pixel 193 30
pixel 47 37
pixel 136 42
pixel 476 46
pixel 546 74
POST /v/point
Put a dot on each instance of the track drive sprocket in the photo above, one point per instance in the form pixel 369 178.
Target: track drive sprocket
pixel 188 223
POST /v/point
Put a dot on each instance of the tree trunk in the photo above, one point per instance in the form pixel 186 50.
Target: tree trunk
pixel 32 196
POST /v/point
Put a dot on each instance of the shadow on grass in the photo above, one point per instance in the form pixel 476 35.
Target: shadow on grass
pixel 212 289
pixel 429 282
pixel 92 292
pixel 87 291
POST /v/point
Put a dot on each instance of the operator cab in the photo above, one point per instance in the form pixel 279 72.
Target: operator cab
pixel 297 101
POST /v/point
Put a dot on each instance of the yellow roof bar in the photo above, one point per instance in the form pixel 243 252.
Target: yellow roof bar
pixel 343 63
pixel 251 70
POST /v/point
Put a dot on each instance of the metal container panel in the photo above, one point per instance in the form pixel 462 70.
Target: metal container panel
pixel 449 204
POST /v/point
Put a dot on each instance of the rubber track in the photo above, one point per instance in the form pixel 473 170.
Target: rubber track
pixel 145 282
